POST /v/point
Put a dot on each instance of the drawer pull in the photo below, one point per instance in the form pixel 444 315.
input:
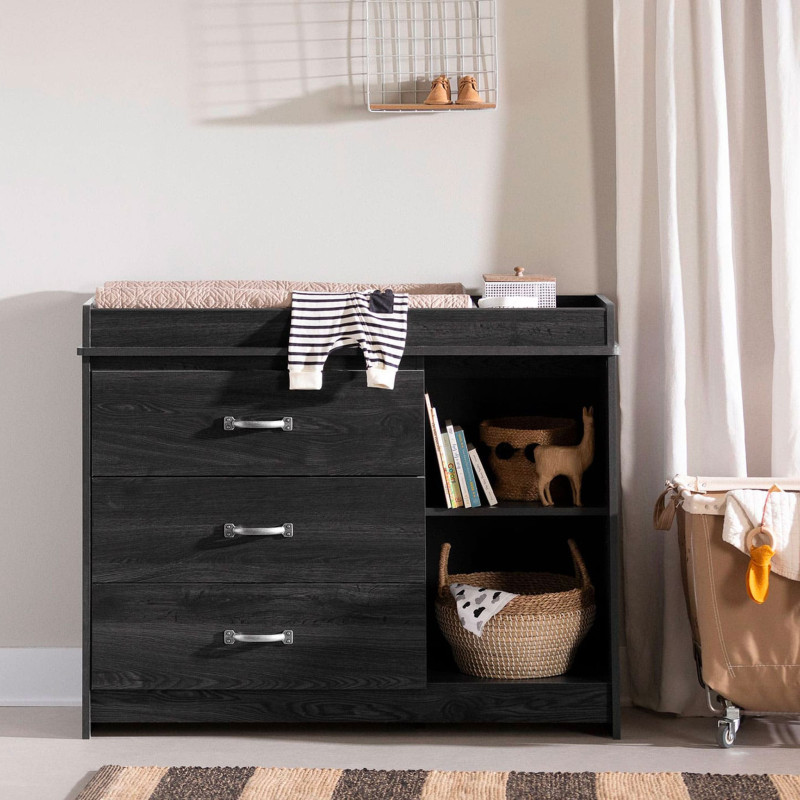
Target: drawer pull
pixel 231 637
pixel 284 424
pixel 286 530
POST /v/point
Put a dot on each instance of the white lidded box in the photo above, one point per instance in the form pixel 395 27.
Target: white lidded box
pixel 542 287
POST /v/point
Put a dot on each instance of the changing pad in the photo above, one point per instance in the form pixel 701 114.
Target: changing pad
pixel 743 511
pixel 261 294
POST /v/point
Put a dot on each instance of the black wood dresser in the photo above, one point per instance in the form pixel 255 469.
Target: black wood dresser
pixel 287 573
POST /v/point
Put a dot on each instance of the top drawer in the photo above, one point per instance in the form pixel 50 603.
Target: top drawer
pixel 172 423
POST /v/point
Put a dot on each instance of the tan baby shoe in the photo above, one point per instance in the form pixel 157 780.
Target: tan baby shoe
pixel 440 93
pixel 468 91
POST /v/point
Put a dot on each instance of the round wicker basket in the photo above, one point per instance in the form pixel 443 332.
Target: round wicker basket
pixel 516 476
pixel 535 636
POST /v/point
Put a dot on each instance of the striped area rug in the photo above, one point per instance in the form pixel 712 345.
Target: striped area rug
pixel 258 783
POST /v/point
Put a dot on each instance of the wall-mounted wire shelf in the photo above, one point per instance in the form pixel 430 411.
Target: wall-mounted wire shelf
pixel 411 42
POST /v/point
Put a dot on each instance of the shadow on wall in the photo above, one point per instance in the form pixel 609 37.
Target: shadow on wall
pixel 40 398
pixel 290 62
pixel 559 128
pixel 279 62
pixel 600 38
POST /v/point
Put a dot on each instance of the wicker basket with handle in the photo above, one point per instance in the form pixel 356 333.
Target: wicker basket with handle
pixel 515 469
pixel 535 636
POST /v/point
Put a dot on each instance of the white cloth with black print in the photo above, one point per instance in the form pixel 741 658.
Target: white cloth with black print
pixel 476 606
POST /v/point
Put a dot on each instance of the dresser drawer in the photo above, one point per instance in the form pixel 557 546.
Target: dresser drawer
pixel 173 423
pixel 170 530
pixel 345 636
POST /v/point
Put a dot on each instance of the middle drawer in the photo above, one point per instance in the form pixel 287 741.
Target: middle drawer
pixel 172 530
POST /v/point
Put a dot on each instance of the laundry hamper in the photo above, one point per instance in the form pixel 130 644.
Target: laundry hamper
pixel 536 635
pixel 748 655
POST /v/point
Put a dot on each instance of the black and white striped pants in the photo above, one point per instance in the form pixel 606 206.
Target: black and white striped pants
pixel 323 321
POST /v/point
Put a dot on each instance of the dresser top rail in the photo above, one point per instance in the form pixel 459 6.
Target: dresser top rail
pixel 579 325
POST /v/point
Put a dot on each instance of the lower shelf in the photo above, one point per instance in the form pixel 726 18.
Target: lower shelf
pixel 454 677
pixel 471 700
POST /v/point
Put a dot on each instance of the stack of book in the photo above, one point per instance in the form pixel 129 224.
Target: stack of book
pixel 459 464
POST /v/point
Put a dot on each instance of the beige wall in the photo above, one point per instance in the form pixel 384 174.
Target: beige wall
pixel 115 164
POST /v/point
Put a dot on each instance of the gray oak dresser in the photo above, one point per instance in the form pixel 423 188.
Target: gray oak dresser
pixel 259 555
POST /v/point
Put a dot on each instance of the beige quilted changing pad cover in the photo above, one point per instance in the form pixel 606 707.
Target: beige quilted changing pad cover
pixel 261 294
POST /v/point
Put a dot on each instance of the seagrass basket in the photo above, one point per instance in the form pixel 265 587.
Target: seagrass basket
pixel 511 455
pixel 535 636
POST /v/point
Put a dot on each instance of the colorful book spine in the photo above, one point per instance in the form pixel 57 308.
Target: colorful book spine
pixel 449 468
pixel 452 475
pixel 469 475
pixel 437 446
pixel 462 481
pixel 482 476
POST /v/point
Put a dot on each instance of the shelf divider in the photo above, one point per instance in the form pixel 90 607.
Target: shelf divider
pixel 514 508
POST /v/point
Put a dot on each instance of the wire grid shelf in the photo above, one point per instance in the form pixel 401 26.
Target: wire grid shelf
pixel 411 42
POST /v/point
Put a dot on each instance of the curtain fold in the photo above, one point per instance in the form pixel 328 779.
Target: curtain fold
pixel 708 241
pixel 781 36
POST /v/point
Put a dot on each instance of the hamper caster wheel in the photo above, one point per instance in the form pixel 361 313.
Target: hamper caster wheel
pixel 726 733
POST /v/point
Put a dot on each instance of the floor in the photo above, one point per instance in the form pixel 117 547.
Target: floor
pixel 42 758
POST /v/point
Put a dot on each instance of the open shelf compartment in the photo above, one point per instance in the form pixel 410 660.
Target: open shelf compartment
pixel 527 536
pixel 528 545
pixel 468 390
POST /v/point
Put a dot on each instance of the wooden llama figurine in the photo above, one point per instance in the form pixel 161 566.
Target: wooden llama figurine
pixel 573 461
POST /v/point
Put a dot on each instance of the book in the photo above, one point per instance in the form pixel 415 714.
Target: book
pixel 469 475
pixel 437 446
pixel 452 475
pixel 482 476
pixel 462 481
pixel 453 488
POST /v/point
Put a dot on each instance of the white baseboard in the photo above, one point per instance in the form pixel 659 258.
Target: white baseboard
pixel 40 676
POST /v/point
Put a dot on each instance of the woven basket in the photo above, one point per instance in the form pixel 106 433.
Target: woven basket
pixel 516 477
pixel 534 636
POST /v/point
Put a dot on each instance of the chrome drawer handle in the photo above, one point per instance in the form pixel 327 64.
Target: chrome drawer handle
pixel 286 530
pixel 231 423
pixel 231 637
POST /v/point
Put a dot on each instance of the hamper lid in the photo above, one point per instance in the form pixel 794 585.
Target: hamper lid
pixel 708 495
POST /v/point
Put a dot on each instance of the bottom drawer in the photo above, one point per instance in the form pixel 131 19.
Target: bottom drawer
pixel 344 636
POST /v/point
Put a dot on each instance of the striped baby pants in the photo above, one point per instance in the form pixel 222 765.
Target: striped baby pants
pixel 323 321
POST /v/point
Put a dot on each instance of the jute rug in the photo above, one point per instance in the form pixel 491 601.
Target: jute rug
pixel 258 783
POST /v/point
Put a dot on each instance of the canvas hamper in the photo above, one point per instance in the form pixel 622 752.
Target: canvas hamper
pixel 747 653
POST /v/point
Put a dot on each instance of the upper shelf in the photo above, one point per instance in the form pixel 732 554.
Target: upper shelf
pixel 511 508
pixel 579 325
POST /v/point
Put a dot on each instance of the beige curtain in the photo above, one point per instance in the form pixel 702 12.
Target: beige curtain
pixel 708 283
